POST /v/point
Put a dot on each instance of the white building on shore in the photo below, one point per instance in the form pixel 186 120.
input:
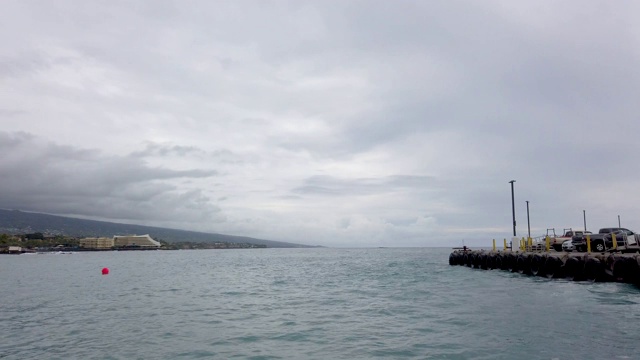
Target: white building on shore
pixel 119 241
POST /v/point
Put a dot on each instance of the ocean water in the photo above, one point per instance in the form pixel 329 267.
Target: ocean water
pixel 303 304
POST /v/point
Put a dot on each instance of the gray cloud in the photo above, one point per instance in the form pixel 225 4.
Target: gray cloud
pixel 20 65
pixel 154 149
pixel 39 175
pixel 327 185
pixel 8 113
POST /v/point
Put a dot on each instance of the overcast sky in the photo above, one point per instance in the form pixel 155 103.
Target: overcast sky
pixel 336 123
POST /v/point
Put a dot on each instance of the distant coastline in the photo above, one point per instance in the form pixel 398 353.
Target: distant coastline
pixel 40 242
pixel 16 222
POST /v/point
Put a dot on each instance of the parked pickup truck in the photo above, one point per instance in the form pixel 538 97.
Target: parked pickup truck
pixel 603 240
pixel 556 241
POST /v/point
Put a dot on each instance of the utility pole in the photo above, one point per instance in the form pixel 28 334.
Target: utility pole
pixel 584 217
pixel 528 223
pixel 619 221
pixel 513 208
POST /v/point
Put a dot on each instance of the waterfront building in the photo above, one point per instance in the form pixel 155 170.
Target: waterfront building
pixel 96 243
pixel 15 249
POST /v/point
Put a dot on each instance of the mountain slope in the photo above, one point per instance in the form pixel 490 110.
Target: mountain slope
pixel 15 221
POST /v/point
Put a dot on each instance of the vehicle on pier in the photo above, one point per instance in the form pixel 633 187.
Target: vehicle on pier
pixel 556 242
pixel 626 240
pixel 568 246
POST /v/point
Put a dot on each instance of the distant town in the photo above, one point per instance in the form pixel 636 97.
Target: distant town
pixel 43 242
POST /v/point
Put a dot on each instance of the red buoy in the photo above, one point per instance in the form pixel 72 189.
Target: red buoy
pixel 105 271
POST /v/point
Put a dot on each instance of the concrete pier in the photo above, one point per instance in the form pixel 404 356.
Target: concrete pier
pixel 621 267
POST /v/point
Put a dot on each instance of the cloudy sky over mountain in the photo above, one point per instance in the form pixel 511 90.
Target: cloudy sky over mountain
pixel 338 123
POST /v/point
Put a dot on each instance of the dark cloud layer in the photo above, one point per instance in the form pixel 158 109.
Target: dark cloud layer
pixel 38 175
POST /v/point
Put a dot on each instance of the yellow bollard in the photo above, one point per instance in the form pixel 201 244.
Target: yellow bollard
pixel 589 243
pixel 548 241
pixel 615 243
pixel 494 244
pixel 505 244
pixel 530 243
pixel 522 244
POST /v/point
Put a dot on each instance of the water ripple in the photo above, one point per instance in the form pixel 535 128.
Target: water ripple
pixel 303 303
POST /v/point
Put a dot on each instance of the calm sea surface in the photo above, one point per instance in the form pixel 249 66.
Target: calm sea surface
pixel 303 304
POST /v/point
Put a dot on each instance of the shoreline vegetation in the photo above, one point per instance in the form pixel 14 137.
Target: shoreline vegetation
pixel 39 242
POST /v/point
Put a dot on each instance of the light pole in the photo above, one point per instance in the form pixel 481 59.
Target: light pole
pixel 584 217
pixel 513 208
pixel 618 220
pixel 528 223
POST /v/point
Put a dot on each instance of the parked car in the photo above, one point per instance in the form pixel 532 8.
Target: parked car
pixel 556 242
pixel 624 238
pixel 603 240
pixel 568 246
